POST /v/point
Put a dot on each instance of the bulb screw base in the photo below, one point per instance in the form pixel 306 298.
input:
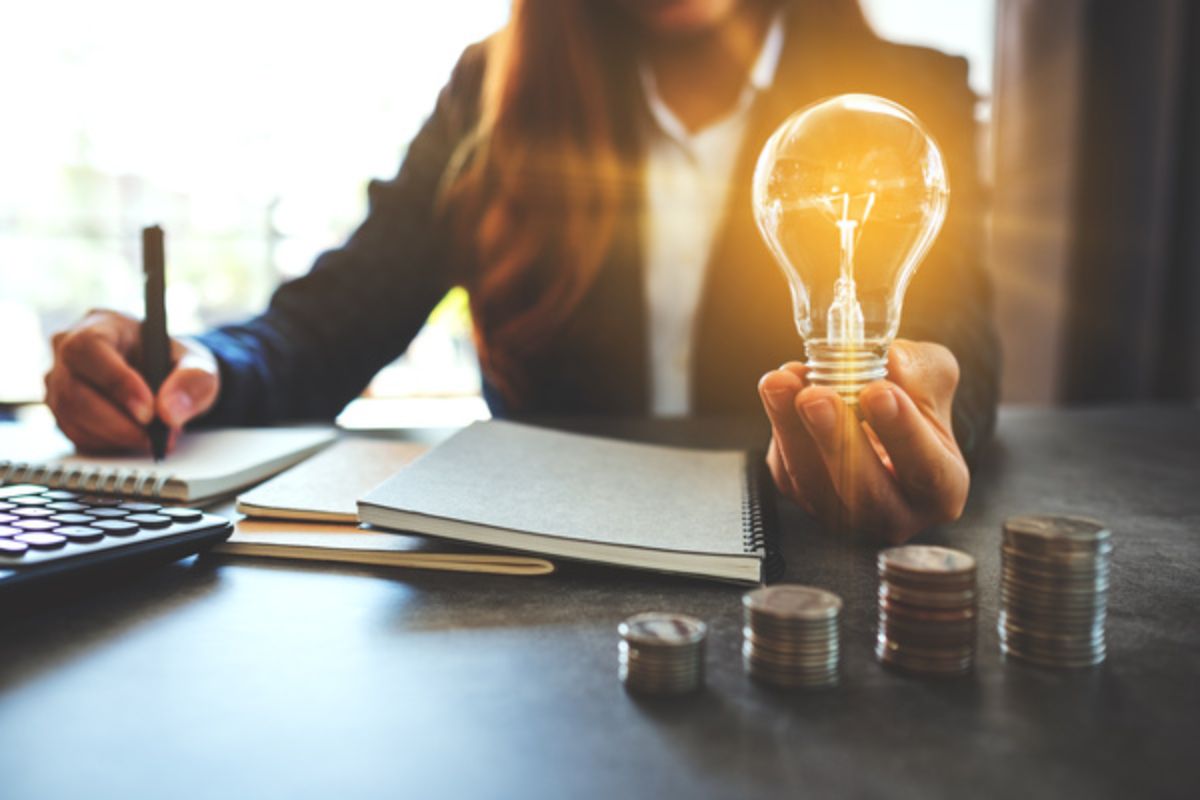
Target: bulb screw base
pixel 845 368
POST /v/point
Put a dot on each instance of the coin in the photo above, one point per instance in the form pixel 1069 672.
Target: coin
pixel 791 601
pixel 790 636
pixel 1054 581
pixel 661 653
pixel 927 610
pixel 926 562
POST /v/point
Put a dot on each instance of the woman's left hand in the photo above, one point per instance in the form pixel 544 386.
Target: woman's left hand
pixel 890 478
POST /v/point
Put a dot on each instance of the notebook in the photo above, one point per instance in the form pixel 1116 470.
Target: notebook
pixel 309 514
pixel 325 487
pixel 342 543
pixel 204 464
pixel 506 485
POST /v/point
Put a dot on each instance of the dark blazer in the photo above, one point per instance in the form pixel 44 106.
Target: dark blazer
pixel 326 334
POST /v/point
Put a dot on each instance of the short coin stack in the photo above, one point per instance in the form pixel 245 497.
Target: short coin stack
pixel 1054 590
pixel 790 638
pixel 662 653
pixel 927 610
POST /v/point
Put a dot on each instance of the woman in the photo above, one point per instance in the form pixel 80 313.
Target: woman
pixel 585 175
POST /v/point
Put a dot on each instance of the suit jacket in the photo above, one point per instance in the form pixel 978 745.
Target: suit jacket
pixel 326 334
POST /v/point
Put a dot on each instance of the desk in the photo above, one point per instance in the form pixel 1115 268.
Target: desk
pixel 241 679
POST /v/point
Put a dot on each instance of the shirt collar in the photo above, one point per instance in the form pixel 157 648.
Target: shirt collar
pixel 761 76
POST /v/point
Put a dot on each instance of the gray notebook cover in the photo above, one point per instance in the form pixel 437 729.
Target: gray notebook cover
pixel 507 476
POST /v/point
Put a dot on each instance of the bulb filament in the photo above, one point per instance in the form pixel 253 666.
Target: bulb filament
pixel 844 321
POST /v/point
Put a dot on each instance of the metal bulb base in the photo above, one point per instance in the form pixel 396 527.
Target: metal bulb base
pixel 845 368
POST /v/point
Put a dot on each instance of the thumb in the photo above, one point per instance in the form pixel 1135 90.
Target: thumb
pixel 191 387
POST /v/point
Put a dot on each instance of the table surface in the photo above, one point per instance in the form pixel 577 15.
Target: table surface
pixel 239 678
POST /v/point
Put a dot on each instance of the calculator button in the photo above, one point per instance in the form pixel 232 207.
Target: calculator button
pixel 140 508
pixel 18 489
pixel 80 533
pixel 101 502
pixel 35 524
pixel 67 505
pixel 30 500
pixel 73 519
pixel 9 530
pixel 11 547
pixel 117 527
pixel 33 512
pixel 41 541
pixel 108 513
pixel 182 514
pixel 153 521
pixel 60 494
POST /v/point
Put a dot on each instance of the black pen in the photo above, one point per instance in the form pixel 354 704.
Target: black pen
pixel 156 347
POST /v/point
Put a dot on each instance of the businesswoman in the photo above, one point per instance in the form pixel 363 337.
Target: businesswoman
pixel 585 175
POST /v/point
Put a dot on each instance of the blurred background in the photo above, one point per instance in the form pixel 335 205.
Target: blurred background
pixel 249 129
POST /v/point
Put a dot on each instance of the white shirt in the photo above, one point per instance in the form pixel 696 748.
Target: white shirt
pixel 686 184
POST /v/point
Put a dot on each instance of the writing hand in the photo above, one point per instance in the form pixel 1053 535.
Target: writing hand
pixel 891 478
pixel 100 400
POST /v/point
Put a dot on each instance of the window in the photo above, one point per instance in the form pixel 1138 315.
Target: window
pixel 247 128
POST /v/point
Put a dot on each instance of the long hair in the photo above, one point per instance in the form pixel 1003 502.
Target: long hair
pixel 535 194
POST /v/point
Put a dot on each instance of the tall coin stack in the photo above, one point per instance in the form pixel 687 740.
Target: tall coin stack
pixel 1054 590
pixel 661 653
pixel 790 638
pixel 927 610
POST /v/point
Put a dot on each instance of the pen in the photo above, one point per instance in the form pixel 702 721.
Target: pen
pixel 156 347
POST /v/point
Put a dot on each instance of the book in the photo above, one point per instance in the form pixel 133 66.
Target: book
pixel 204 464
pixel 325 487
pixel 566 495
pixel 309 513
pixel 341 543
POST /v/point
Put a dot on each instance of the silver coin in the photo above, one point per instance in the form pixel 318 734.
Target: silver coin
pixel 928 561
pixel 656 628
pixel 1043 533
pixel 793 601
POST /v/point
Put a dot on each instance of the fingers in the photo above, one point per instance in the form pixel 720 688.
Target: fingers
pixel 191 387
pixel 871 500
pixel 89 419
pixel 793 458
pixel 928 372
pixel 929 469
pixel 96 352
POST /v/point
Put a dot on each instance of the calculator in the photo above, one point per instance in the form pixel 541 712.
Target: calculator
pixel 47 535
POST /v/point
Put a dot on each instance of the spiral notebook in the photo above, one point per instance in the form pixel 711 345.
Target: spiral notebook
pixel 203 465
pixel 566 495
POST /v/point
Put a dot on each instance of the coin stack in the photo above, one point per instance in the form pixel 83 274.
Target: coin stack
pixel 1054 590
pixel 661 653
pixel 790 638
pixel 927 610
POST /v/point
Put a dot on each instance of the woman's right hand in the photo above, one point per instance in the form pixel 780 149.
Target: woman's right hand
pixel 101 401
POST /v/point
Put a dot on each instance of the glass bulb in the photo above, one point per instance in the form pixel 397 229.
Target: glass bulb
pixel 849 193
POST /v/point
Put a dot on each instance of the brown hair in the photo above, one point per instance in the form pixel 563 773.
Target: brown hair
pixel 535 194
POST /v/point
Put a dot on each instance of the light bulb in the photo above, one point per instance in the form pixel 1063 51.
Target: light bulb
pixel 849 193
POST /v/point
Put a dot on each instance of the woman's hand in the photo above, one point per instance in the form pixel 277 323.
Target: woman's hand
pixel 890 478
pixel 101 401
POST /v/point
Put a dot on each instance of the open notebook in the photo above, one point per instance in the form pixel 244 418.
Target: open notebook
pixel 204 464
pixel 511 486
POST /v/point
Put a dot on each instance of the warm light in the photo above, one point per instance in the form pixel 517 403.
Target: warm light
pixel 849 194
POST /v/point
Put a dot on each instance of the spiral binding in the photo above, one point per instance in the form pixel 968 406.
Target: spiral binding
pixel 84 478
pixel 758 535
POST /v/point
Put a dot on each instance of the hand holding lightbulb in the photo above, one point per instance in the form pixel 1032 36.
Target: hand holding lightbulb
pixel 891 480
pixel 850 193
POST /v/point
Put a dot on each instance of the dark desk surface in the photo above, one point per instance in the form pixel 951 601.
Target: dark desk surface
pixel 242 679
